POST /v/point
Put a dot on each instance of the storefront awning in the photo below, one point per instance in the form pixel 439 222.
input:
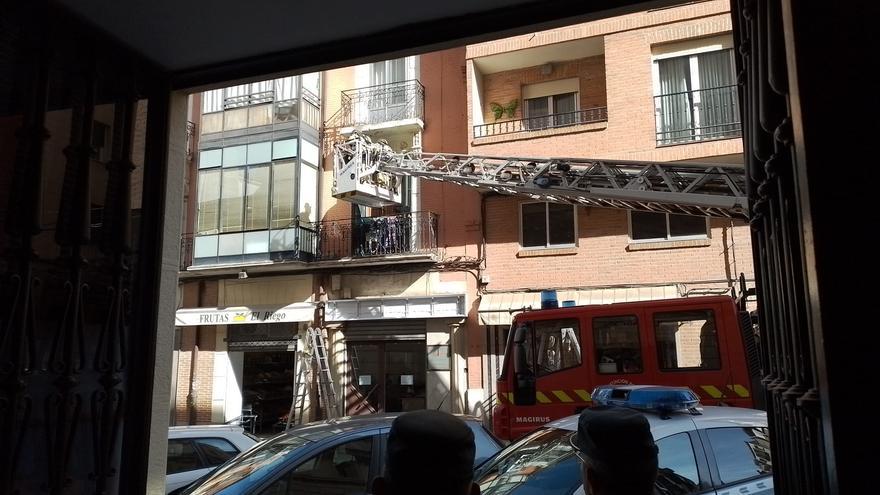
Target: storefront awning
pixel 242 315
pixel 495 308
pixel 378 308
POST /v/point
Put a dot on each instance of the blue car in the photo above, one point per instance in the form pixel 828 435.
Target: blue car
pixel 333 457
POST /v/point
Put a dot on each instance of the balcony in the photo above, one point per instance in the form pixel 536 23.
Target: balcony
pixel 264 108
pixel 692 116
pixel 385 105
pixel 408 236
pixel 552 121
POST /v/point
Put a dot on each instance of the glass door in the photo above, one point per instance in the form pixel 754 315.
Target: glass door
pixel 386 377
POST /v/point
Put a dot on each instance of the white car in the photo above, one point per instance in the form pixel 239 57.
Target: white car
pixel 193 451
pixel 709 450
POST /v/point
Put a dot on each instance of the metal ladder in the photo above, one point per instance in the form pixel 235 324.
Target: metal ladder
pixel 300 392
pixel 325 378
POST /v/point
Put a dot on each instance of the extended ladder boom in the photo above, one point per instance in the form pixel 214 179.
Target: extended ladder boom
pixel 368 173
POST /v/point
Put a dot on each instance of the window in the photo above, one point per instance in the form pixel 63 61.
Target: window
pixel 557 344
pixel 215 451
pixel 618 348
pixel 677 466
pixel 551 111
pixel 340 470
pixel 182 456
pixel 257 199
pixel 547 225
pixel 283 211
pixel 741 453
pixel 542 462
pixel 696 97
pixel 647 226
pixel 687 340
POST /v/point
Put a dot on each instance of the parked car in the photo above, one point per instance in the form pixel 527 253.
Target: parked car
pixel 334 456
pixel 193 451
pixel 710 450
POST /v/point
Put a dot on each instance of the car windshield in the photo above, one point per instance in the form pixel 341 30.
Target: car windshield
pixel 541 463
pixel 251 466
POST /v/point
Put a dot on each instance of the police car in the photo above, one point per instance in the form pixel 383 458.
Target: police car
pixel 702 450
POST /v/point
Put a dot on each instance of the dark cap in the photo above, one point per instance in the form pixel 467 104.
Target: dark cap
pixel 430 445
pixel 616 439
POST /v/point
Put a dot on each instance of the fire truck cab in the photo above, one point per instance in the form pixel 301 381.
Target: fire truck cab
pixel 554 357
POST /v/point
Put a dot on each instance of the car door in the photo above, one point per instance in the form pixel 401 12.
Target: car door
pixel 739 459
pixel 191 458
pixel 345 466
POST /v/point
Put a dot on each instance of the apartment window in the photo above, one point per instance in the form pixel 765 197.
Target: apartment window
pixel 247 187
pixel 649 227
pixel 696 97
pixel 545 225
pixel 551 104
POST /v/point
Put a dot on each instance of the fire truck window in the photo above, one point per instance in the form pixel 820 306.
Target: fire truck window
pixel 618 348
pixel 687 340
pixel 557 345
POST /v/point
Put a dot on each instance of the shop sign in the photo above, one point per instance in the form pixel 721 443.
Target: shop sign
pixel 296 312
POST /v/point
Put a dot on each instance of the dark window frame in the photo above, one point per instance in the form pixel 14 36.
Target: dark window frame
pixel 547 244
pixel 669 237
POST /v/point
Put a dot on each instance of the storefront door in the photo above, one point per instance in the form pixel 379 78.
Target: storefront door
pixel 386 376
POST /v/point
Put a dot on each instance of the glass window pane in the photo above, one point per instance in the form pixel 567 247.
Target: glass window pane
pixel 687 340
pixel 534 224
pixel 542 462
pixel 538 107
pixel 283 210
pixel 308 193
pixel 677 473
pixel 257 201
pixel 561 224
pixel 210 158
pixel 216 450
pixel 259 153
pixel 232 202
pixel 558 345
pixel 618 347
pixel 646 225
pixel 686 225
pixel 182 456
pixel 234 156
pixel 311 82
pixel 565 103
pixel 741 453
pixel 209 201
pixel 343 469
pixel 310 152
pixel 285 148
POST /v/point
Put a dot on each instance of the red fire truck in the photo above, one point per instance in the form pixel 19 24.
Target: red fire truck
pixel 555 357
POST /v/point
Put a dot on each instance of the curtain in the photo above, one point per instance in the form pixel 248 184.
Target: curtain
pixel 537 110
pixel 718 109
pixel 675 121
pixel 566 105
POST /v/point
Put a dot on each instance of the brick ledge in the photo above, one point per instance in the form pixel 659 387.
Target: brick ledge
pixel 646 246
pixel 530 253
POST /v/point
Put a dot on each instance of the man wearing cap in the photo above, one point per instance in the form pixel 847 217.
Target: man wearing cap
pixel 617 451
pixel 428 452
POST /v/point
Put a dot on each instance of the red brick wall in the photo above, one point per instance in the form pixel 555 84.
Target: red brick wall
pixel 603 255
pixel 204 372
pixel 501 87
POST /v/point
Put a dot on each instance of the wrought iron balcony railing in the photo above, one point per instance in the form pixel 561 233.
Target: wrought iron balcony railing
pixel 704 114
pixel 406 233
pixel 380 104
pixel 586 116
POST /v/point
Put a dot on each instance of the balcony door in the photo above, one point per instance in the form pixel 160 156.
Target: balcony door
pixel 387 100
pixel 386 376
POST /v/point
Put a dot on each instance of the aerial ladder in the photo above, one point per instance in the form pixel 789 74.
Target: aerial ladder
pixel 370 173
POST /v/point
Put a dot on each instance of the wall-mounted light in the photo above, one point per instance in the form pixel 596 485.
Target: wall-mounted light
pixel 547 69
pixel 242 274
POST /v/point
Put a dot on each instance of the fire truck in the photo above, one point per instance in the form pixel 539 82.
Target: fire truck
pixel 555 356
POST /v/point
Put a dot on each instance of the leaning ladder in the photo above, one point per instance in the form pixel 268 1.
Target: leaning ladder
pixel 300 392
pixel 325 378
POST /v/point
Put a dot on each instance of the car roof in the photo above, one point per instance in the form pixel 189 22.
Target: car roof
pixel 350 424
pixel 711 417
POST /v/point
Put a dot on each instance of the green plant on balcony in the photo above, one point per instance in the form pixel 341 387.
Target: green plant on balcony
pixel 499 110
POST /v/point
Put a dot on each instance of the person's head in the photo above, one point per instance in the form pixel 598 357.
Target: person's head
pixel 617 451
pixel 428 452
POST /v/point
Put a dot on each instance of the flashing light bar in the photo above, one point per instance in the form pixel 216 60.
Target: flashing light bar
pixel 662 400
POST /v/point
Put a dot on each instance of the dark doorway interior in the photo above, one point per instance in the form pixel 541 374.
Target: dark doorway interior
pixel 267 390
pixel 386 376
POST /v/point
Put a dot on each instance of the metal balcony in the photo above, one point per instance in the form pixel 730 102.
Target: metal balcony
pixel 552 121
pixel 700 115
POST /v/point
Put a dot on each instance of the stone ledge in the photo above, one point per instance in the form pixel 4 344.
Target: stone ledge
pixel 531 253
pixel 646 246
